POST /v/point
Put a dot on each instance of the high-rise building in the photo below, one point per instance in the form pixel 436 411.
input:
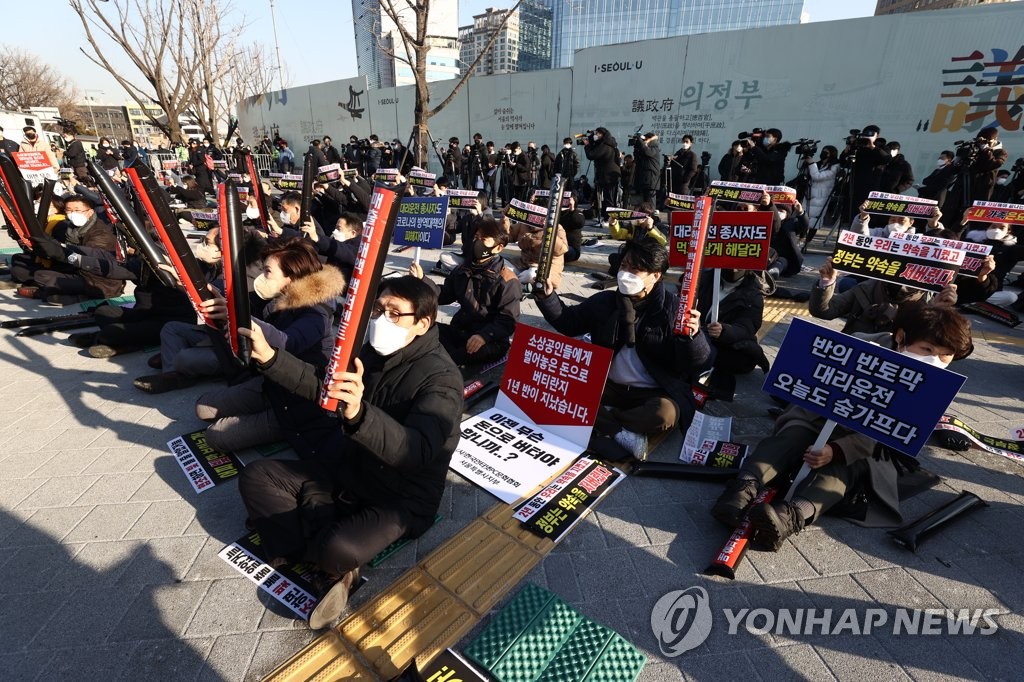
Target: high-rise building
pixel 588 23
pixel 522 44
pixel 899 6
pixel 378 40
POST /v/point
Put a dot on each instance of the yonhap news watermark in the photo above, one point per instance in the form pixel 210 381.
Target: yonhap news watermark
pixel 683 619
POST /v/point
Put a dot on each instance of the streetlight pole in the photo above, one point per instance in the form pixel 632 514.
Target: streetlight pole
pixel 277 46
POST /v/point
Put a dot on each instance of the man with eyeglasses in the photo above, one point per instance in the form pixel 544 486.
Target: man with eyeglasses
pixel 372 472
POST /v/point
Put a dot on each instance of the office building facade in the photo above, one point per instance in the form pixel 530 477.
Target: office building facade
pixel 899 6
pixel 377 40
pixel 523 43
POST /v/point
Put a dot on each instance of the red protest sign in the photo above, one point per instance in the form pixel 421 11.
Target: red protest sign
pixel 781 194
pixel 735 239
pixel 555 380
pixel 992 212
pixel 691 273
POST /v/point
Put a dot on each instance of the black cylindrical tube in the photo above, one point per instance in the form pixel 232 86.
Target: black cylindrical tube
pixel 912 534
pixel 236 289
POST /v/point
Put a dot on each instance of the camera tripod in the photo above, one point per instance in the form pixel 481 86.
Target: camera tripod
pixel 409 147
pixel 836 205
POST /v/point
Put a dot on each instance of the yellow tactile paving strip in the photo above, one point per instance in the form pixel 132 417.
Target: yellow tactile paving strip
pixel 433 605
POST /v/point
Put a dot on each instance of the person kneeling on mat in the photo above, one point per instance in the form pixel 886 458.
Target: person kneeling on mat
pixel 374 471
pixel 852 475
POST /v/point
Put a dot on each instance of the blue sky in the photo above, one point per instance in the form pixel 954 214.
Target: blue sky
pixel 316 36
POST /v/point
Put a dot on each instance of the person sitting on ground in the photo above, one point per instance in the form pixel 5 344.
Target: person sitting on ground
pixel 792 226
pixel 291 213
pixel 852 475
pixel 341 246
pixel 373 472
pixel 734 335
pixel 571 219
pixel 298 298
pixel 84 254
pixel 529 238
pixel 24 265
pixel 870 306
pixel 649 384
pixel 488 294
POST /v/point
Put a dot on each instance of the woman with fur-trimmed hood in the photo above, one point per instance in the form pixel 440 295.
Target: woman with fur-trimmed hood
pixel 294 300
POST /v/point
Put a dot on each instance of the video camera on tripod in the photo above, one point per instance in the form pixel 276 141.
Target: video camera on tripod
pixel 967 151
pixel 757 134
pixel 580 137
pixel 634 139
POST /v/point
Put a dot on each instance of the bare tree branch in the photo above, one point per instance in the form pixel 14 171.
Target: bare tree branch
pixel 26 81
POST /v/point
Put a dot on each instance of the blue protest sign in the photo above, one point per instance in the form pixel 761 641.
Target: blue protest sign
pixel 888 396
pixel 420 222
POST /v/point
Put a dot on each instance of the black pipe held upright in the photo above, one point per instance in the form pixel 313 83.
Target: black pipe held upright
pixel 15 183
pixel 550 235
pixel 309 171
pixel 45 200
pixel 131 224
pixel 236 288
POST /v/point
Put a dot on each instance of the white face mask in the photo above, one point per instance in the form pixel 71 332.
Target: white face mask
pixel 385 336
pixel 630 284
pixel 286 219
pixel 78 219
pixel 1003 181
pixel 894 152
pixel 567 146
pixel 252 213
pixel 895 228
pixel 995 233
pixel 687 145
pixel 932 360
pixel 340 236
pixel 266 289
pixel 941 163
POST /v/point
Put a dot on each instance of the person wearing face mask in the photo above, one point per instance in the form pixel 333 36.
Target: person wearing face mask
pixel 731 167
pixel 85 266
pixel 295 300
pixel 1006 250
pixel 647 179
pixel 897 176
pixel 895 225
pixel 488 293
pixel 291 211
pixel 341 247
pixel 547 167
pixel 601 148
pixel 734 335
pixel 770 158
pixel 34 142
pixel 822 175
pixel 684 166
pixel 567 163
pixel 853 476
pixel 934 186
pixel 648 390
pixel 522 172
pixel 74 154
pixel 870 306
pixel 1004 192
pixel 372 472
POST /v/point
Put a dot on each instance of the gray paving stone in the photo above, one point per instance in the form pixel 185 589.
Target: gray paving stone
pixel 231 606
pixel 268 651
pixel 717 667
pixel 61 491
pixel 93 662
pixel 97 565
pixel 111 489
pixel 87 616
pixel 162 519
pixel 24 666
pixel 46 526
pixel 209 566
pixel 30 568
pixel 859 658
pixel 229 657
pixel 168 659
pixel 175 603
pixel 106 522
pixel 799 661
pixel 160 560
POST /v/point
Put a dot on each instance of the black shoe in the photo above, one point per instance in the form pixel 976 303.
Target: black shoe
pixel 952 441
pixel 83 339
pixel 773 523
pixel 162 383
pixel 722 385
pixel 156 361
pixel 732 504
pixel 333 596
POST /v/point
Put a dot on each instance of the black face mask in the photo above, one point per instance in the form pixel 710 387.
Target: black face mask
pixel 480 252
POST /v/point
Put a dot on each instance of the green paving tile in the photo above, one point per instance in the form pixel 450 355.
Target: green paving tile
pixel 538 637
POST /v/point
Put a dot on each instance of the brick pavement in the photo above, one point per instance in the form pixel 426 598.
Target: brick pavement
pixel 112 573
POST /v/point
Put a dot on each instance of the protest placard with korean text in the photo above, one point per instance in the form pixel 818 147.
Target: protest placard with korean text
pixel 741 192
pixel 883 203
pixel 974 258
pixel 420 222
pixel 679 202
pixel 893 398
pixel 34 166
pixel 329 173
pixel 463 199
pixel 530 214
pixel 567 499
pixel 901 261
pixel 735 239
pixel 992 212
pixel 204 466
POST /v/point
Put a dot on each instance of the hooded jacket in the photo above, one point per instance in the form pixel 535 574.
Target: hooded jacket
pixel 488 296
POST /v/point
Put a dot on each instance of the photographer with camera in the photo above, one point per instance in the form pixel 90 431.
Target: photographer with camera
pixel 977 162
pixel 601 148
pixel 734 165
pixel 453 163
pixel 684 166
pixel 567 163
pixel 822 176
pixel 647 154
pixel 866 162
pixel 770 156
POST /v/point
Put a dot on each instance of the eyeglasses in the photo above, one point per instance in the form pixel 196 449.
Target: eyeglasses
pixel 392 314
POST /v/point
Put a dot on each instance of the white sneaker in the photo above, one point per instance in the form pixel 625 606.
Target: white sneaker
pixel 634 443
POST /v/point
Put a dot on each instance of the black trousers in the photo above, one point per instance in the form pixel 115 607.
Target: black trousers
pixel 124 327
pixel 65 284
pixel 302 515
pixel 454 342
